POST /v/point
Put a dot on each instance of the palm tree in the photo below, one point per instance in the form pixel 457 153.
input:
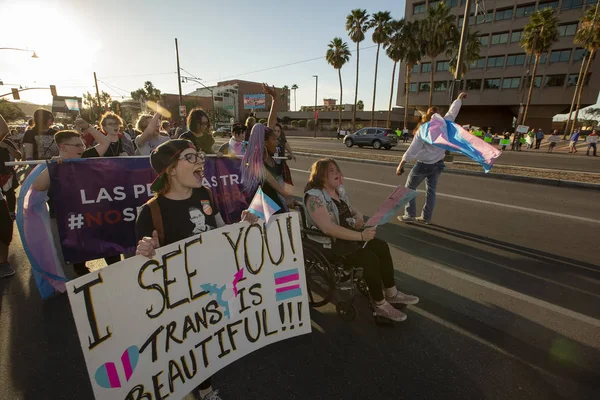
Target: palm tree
pixel 438 31
pixel 380 21
pixel 472 54
pixel 588 37
pixel 412 56
pixel 337 55
pixel 294 88
pixel 284 93
pixel 357 23
pixel 540 33
pixel 395 50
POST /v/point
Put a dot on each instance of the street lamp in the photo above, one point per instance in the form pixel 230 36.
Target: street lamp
pixel 17 49
pixel 316 90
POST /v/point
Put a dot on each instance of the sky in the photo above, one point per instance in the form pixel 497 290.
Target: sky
pixel 128 42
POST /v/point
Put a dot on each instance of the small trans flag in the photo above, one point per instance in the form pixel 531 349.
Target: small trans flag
pixel 287 284
pixel 263 206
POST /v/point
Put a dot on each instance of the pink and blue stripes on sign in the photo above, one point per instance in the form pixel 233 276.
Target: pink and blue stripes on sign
pixel 287 284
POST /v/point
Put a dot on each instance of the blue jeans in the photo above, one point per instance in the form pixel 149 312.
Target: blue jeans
pixel 591 146
pixel 430 173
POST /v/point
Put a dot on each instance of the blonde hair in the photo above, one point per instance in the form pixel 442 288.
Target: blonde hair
pixel 110 115
pixel 143 122
pixel 427 117
pixel 250 121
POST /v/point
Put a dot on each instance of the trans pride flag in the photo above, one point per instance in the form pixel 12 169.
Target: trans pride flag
pixel 33 222
pixel 453 137
pixel 263 206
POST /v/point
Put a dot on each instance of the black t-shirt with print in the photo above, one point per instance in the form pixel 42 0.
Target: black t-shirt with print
pixel 44 147
pixel 114 149
pixel 181 218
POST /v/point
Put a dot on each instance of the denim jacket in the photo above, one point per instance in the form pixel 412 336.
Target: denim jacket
pixel 331 209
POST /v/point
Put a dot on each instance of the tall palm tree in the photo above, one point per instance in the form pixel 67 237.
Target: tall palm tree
pixel 540 33
pixel 588 37
pixel 294 88
pixel 395 50
pixel 284 93
pixel 337 55
pixel 357 23
pixel 380 22
pixel 472 54
pixel 412 56
pixel 438 31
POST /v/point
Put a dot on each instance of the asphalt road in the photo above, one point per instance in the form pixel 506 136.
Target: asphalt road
pixel 526 158
pixel 509 281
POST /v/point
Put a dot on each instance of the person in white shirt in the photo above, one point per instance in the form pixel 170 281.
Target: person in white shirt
pixel 151 137
pixel 429 166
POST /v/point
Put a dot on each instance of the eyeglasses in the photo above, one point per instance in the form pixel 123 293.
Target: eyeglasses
pixel 78 145
pixel 116 125
pixel 194 158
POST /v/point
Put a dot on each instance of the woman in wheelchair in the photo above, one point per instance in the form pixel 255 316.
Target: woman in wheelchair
pixel 330 212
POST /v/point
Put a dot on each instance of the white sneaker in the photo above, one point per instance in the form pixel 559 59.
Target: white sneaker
pixel 386 310
pixel 402 298
pixel 423 220
pixel 406 218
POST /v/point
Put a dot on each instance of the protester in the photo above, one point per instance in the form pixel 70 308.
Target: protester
pixel 429 166
pixel 539 136
pixel 8 178
pixel 119 146
pixel 405 135
pixel 164 128
pixel 552 139
pixel 398 133
pixel 283 146
pixel 199 132
pixel 6 222
pixel 259 168
pixel 592 140
pixel 329 211
pixel 150 138
pixel 506 135
pixel 181 208
pixel 236 145
pixel 250 121
pixel 38 141
pixel 131 131
pixel 574 140
pixel 529 139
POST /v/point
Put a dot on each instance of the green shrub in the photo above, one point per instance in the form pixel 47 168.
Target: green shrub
pixel 311 124
pixel 359 126
pixel 302 123
pixel 295 123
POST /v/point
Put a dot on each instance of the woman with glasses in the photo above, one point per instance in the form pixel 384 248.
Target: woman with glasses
pixel 199 131
pixel 119 146
pixel 236 145
pixel 181 208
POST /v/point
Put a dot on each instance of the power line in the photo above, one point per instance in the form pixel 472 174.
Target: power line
pixel 137 75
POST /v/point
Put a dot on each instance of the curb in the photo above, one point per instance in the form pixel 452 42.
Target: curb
pixel 514 178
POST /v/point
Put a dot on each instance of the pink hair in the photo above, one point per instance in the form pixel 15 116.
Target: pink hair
pixel 253 168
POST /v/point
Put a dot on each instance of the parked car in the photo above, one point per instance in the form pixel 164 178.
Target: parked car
pixel 377 137
pixel 223 131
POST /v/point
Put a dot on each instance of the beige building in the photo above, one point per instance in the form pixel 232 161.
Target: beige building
pixel 496 82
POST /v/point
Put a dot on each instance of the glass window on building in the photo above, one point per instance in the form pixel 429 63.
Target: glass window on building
pixel 460 20
pixel 543 58
pixel 548 4
pixel 572 80
pixel 426 67
pixel 554 80
pixel 451 3
pixel 491 83
pixel 511 83
pixel 419 8
pixel 578 54
pixel 424 87
pixel 536 83
pixel 495 62
pixel 504 13
pixel 482 19
pixel 442 66
pixel 570 4
pixel 525 11
pixel 515 59
pixel 433 4
pixel 415 69
pixel 567 29
pixel 500 38
pixel 413 87
pixel 477 64
pixel 473 84
pixel 515 36
pixel 484 40
pixel 440 86
pixel 560 56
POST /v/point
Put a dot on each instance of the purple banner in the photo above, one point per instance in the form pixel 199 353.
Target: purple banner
pixel 96 201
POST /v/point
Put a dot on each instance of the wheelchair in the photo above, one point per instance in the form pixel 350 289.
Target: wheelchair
pixel 331 278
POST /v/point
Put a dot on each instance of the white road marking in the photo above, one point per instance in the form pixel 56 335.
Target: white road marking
pixel 489 203
pixel 531 300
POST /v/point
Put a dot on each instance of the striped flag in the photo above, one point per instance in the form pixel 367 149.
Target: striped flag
pixel 453 137
pixel 263 206
pixel 287 284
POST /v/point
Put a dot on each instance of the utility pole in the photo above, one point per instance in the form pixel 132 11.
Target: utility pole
pixel 461 52
pixel 316 90
pixel 179 79
pixel 98 96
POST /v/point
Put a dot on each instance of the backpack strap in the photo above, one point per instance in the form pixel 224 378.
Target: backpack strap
pixel 157 221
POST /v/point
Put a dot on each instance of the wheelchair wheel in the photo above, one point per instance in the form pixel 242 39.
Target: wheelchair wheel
pixel 319 280
pixel 346 310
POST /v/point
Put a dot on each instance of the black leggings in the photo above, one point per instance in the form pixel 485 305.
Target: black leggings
pixel 377 264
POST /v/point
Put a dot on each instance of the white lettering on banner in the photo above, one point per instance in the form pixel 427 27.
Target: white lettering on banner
pixel 227 180
pixel 152 328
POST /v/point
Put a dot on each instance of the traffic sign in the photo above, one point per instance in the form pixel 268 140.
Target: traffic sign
pixel 182 111
pixel 316 114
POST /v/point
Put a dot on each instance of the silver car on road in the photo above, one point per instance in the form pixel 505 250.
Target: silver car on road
pixel 379 138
